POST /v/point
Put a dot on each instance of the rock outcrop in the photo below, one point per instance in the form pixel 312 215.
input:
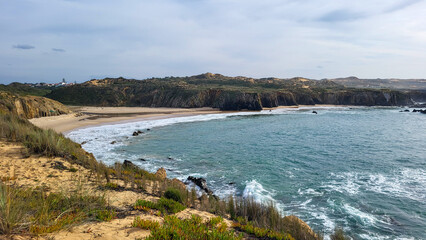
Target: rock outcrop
pixel 31 106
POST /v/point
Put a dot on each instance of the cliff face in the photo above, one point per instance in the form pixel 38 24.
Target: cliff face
pixel 222 92
pixel 30 106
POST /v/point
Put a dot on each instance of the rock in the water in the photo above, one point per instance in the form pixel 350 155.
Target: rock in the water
pixel 423 111
pixel 135 134
pixel 201 183
pixel 113 142
pixel 315 112
pixel 129 164
pixel 84 142
pixel 148 129
pixel 406 110
pixel 170 158
pixel 142 159
pixel 161 173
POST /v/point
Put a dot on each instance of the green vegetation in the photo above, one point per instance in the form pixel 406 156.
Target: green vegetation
pixel 218 91
pixel 174 194
pixel 24 90
pixel 164 205
pixel 47 142
pixel 262 232
pixel 34 211
pixel 193 228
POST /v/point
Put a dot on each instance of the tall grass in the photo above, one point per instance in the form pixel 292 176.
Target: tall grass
pixel 34 211
pixel 47 142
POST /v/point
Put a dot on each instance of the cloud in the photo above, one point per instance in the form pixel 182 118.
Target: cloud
pixel 23 46
pixel 341 15
pixel 58 50
pixel 401 5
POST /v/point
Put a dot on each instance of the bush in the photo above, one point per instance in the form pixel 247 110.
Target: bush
pixel 174 194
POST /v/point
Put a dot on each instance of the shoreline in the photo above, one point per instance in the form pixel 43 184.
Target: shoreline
pixel 83 116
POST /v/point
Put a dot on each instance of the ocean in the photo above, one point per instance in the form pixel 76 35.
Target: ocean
pixel 359 168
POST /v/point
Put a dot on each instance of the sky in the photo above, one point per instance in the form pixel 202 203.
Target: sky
pixel 79 40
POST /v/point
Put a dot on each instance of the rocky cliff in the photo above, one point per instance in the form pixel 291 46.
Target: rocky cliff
pixel 226 93
pixel 30 106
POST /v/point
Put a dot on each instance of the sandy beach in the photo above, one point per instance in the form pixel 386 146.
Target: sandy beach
pixel 91 116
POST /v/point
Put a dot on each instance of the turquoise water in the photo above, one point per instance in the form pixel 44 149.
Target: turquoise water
pixel 362 169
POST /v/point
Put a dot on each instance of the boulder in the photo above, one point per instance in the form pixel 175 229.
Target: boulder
pixel 161 173
pixel 315 112
pixel 113 142
pixel 135 134
pixel 201 183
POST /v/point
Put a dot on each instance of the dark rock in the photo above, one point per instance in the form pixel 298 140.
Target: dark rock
pixel 84 142
pixel 170 158
pixel 139 131
pixel 423 111
pixel 231 183
pixel 135 134
pixel 129 164
pixel 148 129
pixel 113 142
pixel 201 183
pixel 142 159
pixel 314 112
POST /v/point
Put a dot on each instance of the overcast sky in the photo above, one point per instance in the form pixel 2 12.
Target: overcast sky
pixel 47 40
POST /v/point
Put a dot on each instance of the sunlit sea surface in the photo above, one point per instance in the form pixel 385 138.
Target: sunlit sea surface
pixel 359 168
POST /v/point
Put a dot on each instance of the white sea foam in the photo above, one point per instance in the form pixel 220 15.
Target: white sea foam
pixel 347 182
pixel 256 191
pixel 404 183
pixel 365 218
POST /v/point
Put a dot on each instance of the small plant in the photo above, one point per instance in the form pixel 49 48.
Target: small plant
pixel 73 169
pixel 262 233
pixel 164 205
pixel 105 215
pixel 193 228
pixel 145 224
pixel 174 194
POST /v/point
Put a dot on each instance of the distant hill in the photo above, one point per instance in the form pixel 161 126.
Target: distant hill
pixel 400 84
pixel 218 91
pixel 24 90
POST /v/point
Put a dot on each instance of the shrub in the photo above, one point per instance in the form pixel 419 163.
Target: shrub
pixel 174 194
